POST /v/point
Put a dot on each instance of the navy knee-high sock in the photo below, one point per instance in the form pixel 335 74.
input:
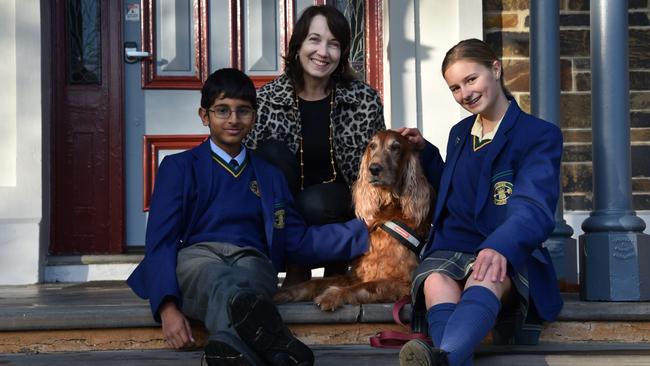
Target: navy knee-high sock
pixel 472 320
pixel 437 317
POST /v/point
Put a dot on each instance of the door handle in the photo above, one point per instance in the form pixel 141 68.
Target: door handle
pixel 131 53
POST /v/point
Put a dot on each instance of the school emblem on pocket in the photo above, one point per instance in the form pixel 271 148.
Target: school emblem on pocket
pixel 278 219
pixel 502 190
pixel 255 188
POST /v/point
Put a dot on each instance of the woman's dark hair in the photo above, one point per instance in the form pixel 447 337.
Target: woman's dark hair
pixel 477 51
pixel 340 28
pixel 228 83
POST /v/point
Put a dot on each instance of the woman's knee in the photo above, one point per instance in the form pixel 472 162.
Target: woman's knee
pixel 322 204
pixel 277 153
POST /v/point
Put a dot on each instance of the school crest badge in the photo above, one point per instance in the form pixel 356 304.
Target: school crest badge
pixel 501 192
pixel 255 188
pixel 278 219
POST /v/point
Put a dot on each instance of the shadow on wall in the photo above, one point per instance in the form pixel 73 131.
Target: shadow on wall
pixel 405 57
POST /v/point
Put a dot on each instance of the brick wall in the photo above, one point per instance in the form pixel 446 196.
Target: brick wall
pixel 506 27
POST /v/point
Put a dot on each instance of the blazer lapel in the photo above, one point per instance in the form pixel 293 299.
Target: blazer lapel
pixel 202 172
pixel 500 140
pixel 266 193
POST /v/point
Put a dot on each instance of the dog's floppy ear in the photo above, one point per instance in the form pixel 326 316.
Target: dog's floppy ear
pixel 416 194
pixel 364 195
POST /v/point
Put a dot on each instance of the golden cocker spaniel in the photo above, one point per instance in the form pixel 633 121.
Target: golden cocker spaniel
pixel 391 192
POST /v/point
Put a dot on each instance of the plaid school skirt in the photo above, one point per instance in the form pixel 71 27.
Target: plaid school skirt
pixel 517 323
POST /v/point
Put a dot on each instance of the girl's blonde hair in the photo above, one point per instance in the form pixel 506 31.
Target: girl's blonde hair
pixel 477 51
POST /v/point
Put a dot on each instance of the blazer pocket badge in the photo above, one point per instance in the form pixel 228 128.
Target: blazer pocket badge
pixel 278 217
pixel 255 188
pixel 501 192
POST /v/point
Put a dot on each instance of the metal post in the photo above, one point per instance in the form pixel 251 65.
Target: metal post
pixel 614 251
pixel 545 104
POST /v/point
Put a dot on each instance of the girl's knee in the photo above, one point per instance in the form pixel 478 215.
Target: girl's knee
pixel 439 288
pixel 499 289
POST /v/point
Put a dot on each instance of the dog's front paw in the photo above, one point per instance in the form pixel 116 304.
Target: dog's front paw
pixel 331 299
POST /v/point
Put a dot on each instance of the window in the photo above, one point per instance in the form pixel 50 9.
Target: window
pixel 190 38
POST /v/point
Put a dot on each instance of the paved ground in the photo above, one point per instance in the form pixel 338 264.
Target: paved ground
pixel 331 356
pixel 325 356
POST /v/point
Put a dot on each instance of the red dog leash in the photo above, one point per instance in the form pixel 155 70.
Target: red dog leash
pixel 394 338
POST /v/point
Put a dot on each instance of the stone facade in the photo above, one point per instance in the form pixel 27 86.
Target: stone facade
pixel 506 29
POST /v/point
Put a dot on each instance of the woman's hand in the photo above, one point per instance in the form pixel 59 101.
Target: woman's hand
pixel 413 135
pixel 490 265
pixel 175 327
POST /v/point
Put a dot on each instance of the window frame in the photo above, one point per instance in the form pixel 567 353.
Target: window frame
pixel 373 18
pixel 150 78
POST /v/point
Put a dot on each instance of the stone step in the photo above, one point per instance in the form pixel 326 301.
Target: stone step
pixel 358 355
pixel 108 316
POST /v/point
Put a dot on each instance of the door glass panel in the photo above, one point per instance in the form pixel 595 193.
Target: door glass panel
pixel 261 38
pixel 220 34
pixel 84 36
pixel 354 11
pixel 302 5
pixel 175 38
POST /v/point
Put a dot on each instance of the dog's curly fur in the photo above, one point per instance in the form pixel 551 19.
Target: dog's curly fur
pixel 390 186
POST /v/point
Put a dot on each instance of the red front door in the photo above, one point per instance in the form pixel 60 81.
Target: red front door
pixel 87 115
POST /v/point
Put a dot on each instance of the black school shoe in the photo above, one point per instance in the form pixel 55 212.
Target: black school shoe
pixel 259 324
pixel 219 353
pixel 417 352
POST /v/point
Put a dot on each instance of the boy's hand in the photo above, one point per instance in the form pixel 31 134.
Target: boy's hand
pixel 176 329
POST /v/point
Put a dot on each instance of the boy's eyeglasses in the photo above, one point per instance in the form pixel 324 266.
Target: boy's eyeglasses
pixel 244 113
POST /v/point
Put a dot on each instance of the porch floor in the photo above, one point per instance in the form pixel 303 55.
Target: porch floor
pixel 360 355
pixel 101 322
pixel 111 304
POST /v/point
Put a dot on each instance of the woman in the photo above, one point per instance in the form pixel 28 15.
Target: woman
pixel 315 120
pixel 498 192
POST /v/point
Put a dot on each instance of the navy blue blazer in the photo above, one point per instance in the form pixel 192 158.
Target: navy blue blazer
pixel 516 197
pixel 182 194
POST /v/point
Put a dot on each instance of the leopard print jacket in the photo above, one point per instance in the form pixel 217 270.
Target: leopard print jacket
pixel 357 115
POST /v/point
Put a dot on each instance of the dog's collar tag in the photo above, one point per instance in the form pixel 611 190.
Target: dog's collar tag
pixel 403 234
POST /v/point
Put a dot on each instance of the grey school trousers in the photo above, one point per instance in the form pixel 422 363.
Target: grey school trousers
pixel 209 274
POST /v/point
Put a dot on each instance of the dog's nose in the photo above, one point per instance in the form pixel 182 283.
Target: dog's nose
pixel 375 169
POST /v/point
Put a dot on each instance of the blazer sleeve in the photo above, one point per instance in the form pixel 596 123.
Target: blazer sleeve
pixel 155 277
pixel 530 215
pixel 432 164
pixel 320 243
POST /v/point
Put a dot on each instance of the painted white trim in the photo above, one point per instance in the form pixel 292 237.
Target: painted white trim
pixel 8 119
pixel 418 33
pixel 120 271
pixel 576 218
pixel 108 272
pixel 88 272
pixel 21 142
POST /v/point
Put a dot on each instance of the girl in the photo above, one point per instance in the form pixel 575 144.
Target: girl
pixel 498 193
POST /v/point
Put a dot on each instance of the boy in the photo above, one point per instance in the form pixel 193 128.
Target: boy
pixel 221 225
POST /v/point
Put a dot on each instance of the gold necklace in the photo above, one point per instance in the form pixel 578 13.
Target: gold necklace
pixel 331 141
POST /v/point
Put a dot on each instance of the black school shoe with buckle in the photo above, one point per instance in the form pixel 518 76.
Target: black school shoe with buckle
pixel 259 324
pixel 417 352
pixel 218 353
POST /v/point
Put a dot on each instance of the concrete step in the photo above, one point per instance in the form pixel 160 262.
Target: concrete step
pixel 358 355
pixel 108 316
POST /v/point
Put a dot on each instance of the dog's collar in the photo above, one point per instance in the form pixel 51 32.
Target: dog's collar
pixel 403 234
